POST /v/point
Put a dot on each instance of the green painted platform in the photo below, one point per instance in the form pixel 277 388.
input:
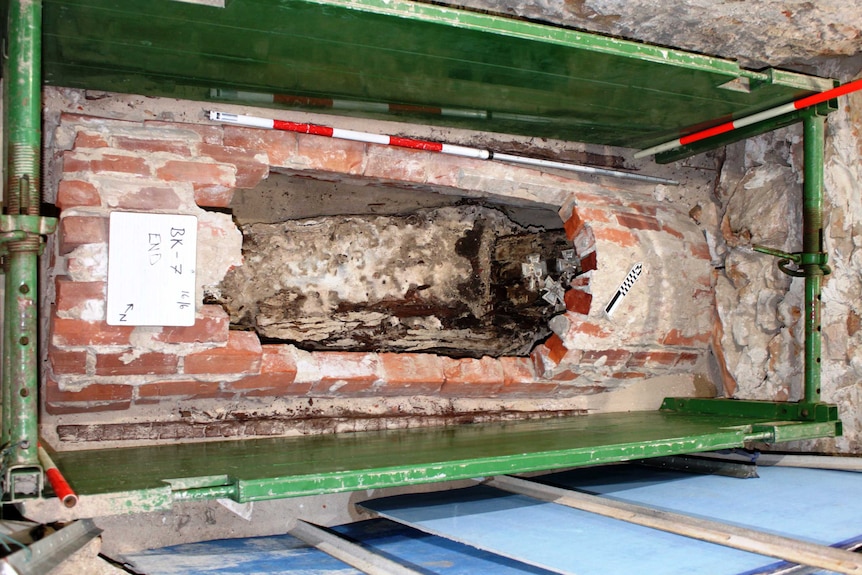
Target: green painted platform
pixel 491 73
pixel 148 478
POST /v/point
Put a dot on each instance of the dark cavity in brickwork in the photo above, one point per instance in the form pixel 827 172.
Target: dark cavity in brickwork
pixel 405 271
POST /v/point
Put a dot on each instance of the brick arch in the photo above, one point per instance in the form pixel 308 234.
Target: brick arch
pixel 181 167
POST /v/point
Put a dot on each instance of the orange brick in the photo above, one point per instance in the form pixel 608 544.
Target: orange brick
pixel 90 140
pixel 653 358
pixel 472 377
pixel 411 373
pixel 617 236
pixel 517 370
pixel 213 196
pixel 642 208
pixel 566 376
pixel 206 133
pixel 249 171
pixel 144 364
pixel 151 146
pixel 277 359
pixel 443 171
pixel 556 349
pixel 75 162
pixel 687 359
pixel 75 193
pixel 72 295
pixel 269 385
pixel 669 230
pixel 64 362
pixel 700 250
pixel 242 354
pixel 628 375
pixel 211 326
pixel 94 392
pixel 341 156
pixel 279 146
pixel 188 388
pixel 589 262
pixel 578 301
pixel 573 225
pixel 79 230
pixel 412 368
pixel 77 332
pixel 345 373
pixel 150 198
pixel 593 215
pixel 202 173
pixel 519 379
pixel 609 357
pixel 676 337
pixel 122 164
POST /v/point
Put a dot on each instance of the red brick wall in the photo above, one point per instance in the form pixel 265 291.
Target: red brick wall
pixel 103 371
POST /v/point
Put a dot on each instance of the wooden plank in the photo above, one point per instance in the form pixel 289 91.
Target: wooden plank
pixel 350 553
pixel 789 549
pixel 558 538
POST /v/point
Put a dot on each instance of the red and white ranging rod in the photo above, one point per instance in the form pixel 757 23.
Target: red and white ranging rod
pixel 462 151
pixel 806 102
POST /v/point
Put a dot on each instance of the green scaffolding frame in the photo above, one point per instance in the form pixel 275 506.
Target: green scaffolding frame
pixel 313 465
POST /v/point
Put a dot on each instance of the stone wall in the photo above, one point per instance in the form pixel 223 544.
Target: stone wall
pixel 110 383
pixel 760 307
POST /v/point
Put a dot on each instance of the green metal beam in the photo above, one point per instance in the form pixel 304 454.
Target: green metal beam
pixel 498 74
pixel 153 477
pixel 768 410
pixel 813 262
pixel 22 244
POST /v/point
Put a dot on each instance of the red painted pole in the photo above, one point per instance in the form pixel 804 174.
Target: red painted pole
pixel 806 102
pixel 61 487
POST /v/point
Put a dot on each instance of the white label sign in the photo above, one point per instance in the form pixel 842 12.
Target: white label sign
pixel 151 269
